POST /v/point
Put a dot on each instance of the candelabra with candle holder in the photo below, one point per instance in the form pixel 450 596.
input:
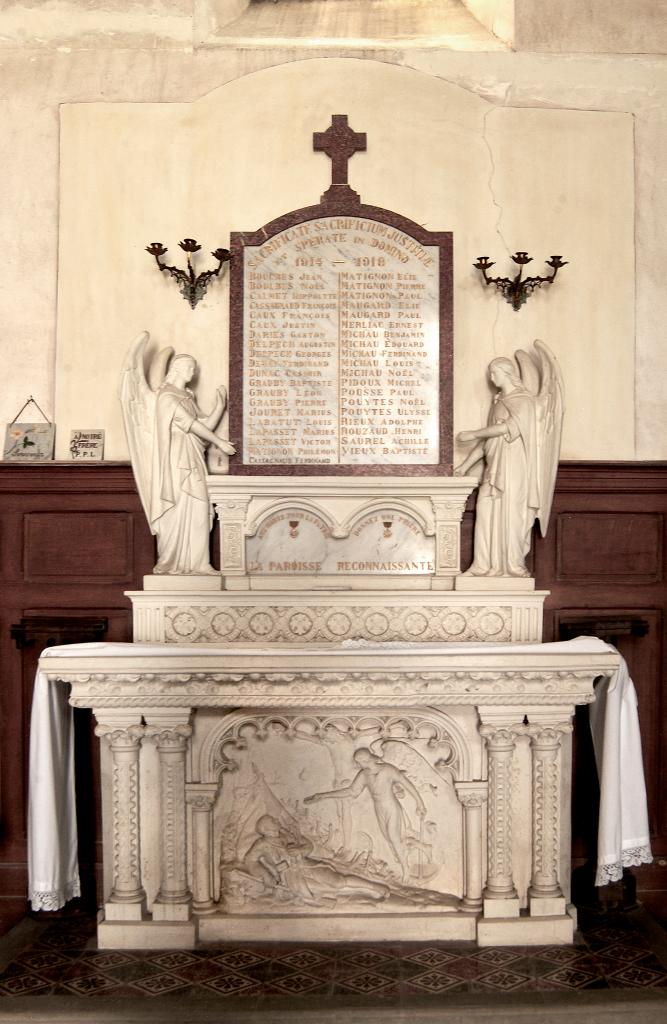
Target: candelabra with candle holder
pixel 516 290
pixel 193 286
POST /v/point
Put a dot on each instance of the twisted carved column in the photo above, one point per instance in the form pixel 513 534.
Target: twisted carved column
pixel 473 796
pixel 125 741
pixel 201 797
pixel 545 744
pixel 173 898
pixel 500 743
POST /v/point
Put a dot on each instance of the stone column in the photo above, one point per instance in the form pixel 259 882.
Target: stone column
pixel 124 732
pixel 201 797
pixel 545 893
pixel 232 514
pixel 472 796
pixel 171 732
pixel 448 515
pixel 500 895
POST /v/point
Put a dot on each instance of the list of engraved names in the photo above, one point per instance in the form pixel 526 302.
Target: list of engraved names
pixel 341 346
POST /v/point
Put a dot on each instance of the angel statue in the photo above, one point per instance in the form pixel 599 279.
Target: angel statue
pixel 167 435
pixel 520 449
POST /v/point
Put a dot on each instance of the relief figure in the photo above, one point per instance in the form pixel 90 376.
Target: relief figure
pixel 385 784
pixel 282 860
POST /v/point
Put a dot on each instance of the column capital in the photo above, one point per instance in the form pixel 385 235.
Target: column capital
pixel 201 795
pixel 472 794
pixel 501 736
pixel 169 727
pixel 548 737
pixel 169 736
pixel 120 736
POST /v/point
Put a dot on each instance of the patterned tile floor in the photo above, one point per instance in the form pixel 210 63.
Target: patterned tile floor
pixel 613 951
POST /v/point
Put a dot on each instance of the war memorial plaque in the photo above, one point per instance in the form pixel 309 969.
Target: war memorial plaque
pixel 341 345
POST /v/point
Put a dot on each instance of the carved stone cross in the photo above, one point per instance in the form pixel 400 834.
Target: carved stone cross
pixel 340 143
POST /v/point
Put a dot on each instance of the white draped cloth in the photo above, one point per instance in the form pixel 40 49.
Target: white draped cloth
pixel 52 837
pixel 623 833
pixel 53 865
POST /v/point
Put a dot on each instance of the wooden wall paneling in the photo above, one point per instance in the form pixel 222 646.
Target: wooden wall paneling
pixel 78 546
pixel 605 556
pixel 623 547
pixel 72 539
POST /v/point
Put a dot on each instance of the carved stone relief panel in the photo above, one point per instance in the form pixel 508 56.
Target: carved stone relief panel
pixel 385 541
pixel 342 812
pixel 208 624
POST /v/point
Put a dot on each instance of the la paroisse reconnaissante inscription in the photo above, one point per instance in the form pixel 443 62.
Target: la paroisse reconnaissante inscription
pixel 295 542
pixel 341 346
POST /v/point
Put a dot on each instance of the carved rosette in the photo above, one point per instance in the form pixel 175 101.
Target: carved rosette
pixel 500 744
pixel 278 623
pixel 125 743
pixel 172 744
pixel 545 745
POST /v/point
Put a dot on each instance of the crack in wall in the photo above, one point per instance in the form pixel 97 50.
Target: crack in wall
pixel 498 207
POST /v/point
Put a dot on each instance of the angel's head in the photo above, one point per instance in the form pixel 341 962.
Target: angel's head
pixel 365 758
pixel 182 369
pixel 502 370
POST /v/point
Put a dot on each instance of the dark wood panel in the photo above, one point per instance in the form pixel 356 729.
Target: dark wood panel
pixel 626 546
pixel 77 545
pixel 88 523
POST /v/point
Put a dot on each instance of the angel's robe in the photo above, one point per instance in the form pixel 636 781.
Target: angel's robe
pixel 179 511
pixel 508 499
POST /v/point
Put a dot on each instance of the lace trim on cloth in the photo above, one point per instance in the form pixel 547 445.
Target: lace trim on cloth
pixel 630 858
pixel 54 900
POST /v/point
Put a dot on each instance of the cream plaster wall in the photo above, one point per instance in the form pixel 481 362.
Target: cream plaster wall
pixel 501 179
pixel 591 26
pixel 496 15
pixel 35 79
pixel 82 24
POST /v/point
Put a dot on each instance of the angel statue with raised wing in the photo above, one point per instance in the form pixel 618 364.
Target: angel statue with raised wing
pixel 520 447
pixel 167 436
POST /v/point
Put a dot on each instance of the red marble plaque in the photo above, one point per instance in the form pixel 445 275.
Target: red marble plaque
pixel 341 337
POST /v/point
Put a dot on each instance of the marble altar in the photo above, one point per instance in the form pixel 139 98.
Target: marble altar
pixel 352 791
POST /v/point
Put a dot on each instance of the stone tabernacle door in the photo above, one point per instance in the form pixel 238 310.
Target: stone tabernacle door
pixel 341 337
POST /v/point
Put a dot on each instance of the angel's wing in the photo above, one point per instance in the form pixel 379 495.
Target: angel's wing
pixel 138 404
pixel 530 371
pixel 408 760
pixel 550 409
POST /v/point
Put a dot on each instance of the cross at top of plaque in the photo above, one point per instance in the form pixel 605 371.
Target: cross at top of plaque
pixel 340 143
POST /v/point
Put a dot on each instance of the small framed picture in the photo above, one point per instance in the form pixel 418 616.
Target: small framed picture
pixel 87 445
pixel 29 442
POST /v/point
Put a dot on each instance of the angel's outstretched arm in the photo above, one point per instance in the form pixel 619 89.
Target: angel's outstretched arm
pixel 211 421
pixel 476 455
pixel 495 430
pixel 354 790
pixel 202 431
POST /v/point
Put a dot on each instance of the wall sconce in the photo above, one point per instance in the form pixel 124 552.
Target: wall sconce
pixel 516 291
pixel 193 286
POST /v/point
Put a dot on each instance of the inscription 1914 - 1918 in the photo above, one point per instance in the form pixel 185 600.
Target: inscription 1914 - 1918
pixel 341 339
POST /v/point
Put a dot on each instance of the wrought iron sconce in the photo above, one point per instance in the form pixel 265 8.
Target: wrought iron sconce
pixel 193 286
pixel 517 290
